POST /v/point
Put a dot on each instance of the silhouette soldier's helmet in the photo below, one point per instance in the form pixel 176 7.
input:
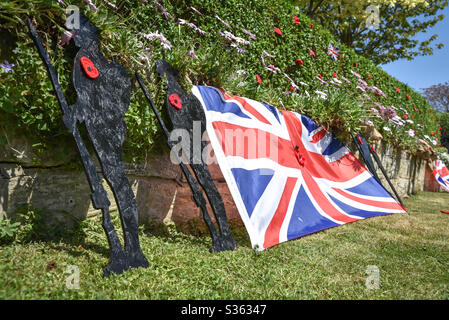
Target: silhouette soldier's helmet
pixel 164 68
pixel 86 34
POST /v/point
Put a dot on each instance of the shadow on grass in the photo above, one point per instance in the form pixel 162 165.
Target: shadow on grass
pixel 38 226
pixel 193 232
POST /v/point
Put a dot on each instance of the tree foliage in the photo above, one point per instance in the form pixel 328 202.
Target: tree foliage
pixel 438 96
pixel 389 38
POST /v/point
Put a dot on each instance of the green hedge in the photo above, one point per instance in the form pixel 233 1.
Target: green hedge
pixel 28 101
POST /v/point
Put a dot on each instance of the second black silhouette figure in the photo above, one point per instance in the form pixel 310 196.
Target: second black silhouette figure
pixel 184 110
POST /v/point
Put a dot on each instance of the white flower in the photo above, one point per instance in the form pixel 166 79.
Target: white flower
pixel 337 81
pixel 321 94
pixel 359 87
pixel 156 35
pixel 386 129
pixel 242 73
pixel 356 74
pixel 273 69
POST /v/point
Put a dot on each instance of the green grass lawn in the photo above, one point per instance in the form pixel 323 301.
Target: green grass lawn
pixel 411 253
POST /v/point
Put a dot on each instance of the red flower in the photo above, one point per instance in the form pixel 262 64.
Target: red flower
pixel 311 25
pixel 405 116
pixel 312 53
pixel 398 90
pixel 320 76
pixel 334 75
pixel 407 96
pixel 259 79
pixel 291 88
pixel 278 31
pixel 414 107
pixel 175 101
pixel 296 19
pixel 356 64
pixel 420 111
pixel 369 76
pixel 300 62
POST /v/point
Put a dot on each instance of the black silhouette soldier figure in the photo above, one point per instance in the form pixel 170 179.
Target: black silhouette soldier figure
pixel 185 109
pixel 103 90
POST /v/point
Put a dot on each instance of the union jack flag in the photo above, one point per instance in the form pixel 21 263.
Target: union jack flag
pixel 441 174
pixel 333 52
pixel 288 176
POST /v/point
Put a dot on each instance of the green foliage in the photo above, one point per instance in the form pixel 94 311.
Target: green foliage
pixel 31 225
pixel 8 230
pixel 29 102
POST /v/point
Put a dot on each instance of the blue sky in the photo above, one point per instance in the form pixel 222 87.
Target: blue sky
pixel 422 72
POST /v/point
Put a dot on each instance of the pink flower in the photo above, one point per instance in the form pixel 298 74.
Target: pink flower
pixel 196 11
pixel 345 80
pixel 91 5
pixel 66 37
pixel 252 36
pixel 113 6
pixel 191 54
pixel 312 53
pixel 356 74
pixel 278 31
pixel 162 10
pixel 222 21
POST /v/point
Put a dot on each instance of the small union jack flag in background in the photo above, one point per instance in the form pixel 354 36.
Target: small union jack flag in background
pixel 288 176
pixel 441 174
pixel 333 52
